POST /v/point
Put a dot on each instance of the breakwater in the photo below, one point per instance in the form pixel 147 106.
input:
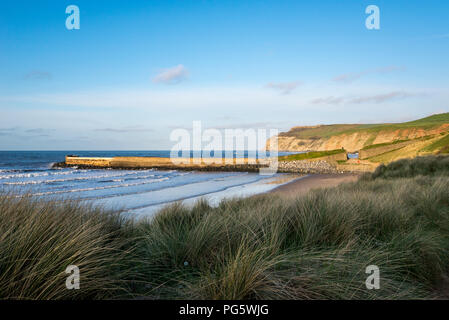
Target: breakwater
pixel 209 164
pixel 199 164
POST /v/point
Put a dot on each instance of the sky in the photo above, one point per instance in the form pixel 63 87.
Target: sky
pixel 137 70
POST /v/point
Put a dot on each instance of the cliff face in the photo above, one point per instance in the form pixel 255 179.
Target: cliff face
pixel 354 137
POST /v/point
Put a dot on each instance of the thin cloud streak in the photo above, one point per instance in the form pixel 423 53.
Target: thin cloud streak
pixel 38 75
pixel 328 100
pixel 351 77
pixel 284 87
pixel 172 75
pixel 378 98
pixel 125 130
pixel 441 36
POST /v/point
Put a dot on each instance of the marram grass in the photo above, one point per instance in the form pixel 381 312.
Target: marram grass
pixel 315 246
pixel 39 239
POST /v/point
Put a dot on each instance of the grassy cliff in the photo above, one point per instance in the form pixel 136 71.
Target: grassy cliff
pixel 354 137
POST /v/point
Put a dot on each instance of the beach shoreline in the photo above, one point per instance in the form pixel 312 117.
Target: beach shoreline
pixel 289 185
pixel 303 184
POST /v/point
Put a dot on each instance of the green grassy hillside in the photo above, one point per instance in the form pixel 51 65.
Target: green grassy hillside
pixel 440 146
pixel 435 119
pixel 326 131
pixel 310 155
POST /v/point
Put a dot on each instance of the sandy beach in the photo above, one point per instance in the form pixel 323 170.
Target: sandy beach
pixel 313 181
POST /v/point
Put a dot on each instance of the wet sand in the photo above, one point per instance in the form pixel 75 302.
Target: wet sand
pixel 313 181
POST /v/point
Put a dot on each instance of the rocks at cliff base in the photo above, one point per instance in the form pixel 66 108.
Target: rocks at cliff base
pixel 306 166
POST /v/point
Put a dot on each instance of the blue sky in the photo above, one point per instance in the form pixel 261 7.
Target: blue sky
pixel 136 70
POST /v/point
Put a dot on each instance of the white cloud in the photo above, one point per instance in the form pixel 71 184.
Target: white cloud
pixel 328 100
pixel 379 98
pixel 284 87
pixel 351 77
pixel 172 75
pixel 376 98
pixel 127 129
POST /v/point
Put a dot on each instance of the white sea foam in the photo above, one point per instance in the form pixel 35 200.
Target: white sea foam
pixel 99 188
pixel 74 172
pixel 88 178
pixel 34 174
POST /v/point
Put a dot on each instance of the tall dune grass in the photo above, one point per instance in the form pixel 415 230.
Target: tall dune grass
pixel 308 247
pixel 405 168
pixel 39 239
pixel 314 246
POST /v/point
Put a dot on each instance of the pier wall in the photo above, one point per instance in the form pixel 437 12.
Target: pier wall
pixel 88 161
pixel 166 163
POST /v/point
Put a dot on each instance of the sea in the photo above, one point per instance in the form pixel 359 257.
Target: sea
pixel 136 193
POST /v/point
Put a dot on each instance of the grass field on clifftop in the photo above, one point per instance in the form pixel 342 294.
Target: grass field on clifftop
pixel 310 155
pixel 326 131
pixel 313 246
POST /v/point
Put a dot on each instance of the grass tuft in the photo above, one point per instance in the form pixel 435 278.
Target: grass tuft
pixel 39 239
